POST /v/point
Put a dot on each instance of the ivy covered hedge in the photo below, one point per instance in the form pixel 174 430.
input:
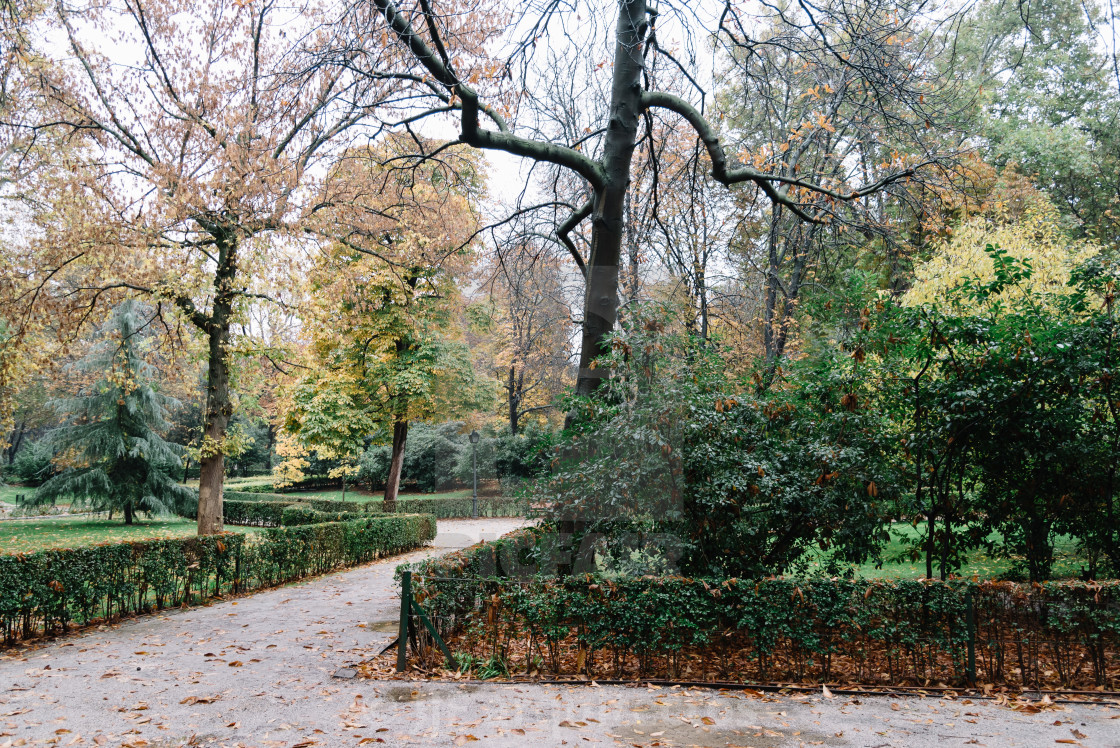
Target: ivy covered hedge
pixel 773 630
pixel 48 591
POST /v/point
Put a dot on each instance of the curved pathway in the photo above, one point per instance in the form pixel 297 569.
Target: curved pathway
pixel 257 671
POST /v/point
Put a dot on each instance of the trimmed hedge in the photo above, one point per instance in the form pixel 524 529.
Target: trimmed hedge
pixel 303 515
pixel 459 508
pixel 773 630
pixel 253 513
pixel 441 508
pixel 255 496
pixel 50 590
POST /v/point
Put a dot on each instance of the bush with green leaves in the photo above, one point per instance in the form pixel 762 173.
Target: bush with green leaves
pixel 111 453
pixel 674 454
pixel 298 514
pixel 512 459
pixel 33 464
pixel 48 591
pixel 431 455
pixel 1004 405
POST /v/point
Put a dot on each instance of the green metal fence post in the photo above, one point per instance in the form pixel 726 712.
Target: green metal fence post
pixel 402 636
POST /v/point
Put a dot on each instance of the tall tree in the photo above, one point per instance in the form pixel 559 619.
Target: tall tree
pixel 386 340
pixel 112 455
pixel 456 74
pixel 204 132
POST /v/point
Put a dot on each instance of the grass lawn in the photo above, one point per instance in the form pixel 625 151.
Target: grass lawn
pixel 8 493
pixel 1067 560
pixel 69 532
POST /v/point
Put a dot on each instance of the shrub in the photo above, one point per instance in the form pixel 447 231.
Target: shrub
pixel 330 505
pixel 251 495
pixel 304 515
pixel 458 508
pixel 50 590
pixel 32 464
pixel 431 455
pixel 254 513
pixel 708 474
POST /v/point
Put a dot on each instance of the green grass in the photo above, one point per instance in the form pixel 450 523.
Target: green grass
pixel 71 532
pixel 8 493
pixel 1067 560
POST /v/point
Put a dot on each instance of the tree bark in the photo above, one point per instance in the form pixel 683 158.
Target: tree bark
pixel 128 513
pixel 514 387
pixel 600 303
pixel 393 483
pixel 219 403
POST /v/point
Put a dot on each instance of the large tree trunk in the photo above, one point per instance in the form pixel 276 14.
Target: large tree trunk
pixel 393 484
pixel 600 302
pixel 128 514
pixel 219 404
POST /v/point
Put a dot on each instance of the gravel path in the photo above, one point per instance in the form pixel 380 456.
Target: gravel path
pixel 257 672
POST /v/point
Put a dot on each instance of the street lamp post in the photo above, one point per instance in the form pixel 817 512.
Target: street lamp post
pixel 474 437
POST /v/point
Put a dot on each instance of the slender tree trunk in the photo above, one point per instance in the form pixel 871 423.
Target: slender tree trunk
pixel 393 484
pixel 600 304
pixel 271 444
pixel 514 400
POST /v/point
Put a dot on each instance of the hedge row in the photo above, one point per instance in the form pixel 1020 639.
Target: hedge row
pixel 303 515
pixel 458 508
pixel 441 508
pixel 50 590
pixel 774 630
pixel 228 495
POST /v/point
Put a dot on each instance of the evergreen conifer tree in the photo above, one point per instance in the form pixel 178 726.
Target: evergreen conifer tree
pixel 109 448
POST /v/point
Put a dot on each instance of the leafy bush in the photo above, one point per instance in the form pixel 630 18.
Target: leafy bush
pixel 431 455
pixel 32 464
pixel 707 474
pixel 254 513
pixel 510 458
pixel 252 495
pixel 50 590
pixel 1002 398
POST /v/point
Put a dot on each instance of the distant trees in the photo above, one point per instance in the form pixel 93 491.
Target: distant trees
pixel 520 331
pixel 109 451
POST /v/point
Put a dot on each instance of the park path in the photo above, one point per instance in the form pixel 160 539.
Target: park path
pixel 257 671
